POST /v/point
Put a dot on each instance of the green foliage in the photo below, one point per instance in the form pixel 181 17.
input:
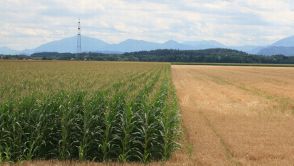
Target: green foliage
pixel 218 55
pixel 135 119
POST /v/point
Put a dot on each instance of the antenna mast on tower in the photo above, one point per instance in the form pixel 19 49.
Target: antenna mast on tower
pixel 79 39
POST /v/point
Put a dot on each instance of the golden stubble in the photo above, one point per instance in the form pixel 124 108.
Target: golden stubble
pixel 237 115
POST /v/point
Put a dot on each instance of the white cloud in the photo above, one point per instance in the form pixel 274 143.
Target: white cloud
pixel 29 23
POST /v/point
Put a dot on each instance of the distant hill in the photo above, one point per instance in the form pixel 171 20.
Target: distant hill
pixel 7 51
pixel 250 49
pixel 171 44
pixel 205 44
pixel 174 55
pixel 130 45
pixel 277 50
pixel 206 52
pixel 284 46
pixel 165 55
pixel 69 45
pixel 286 42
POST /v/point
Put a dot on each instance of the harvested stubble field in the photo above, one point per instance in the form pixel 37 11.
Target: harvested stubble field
pixel 237 115
pixel 86 111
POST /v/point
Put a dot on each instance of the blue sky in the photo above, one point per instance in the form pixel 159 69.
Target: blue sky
pixel 29 23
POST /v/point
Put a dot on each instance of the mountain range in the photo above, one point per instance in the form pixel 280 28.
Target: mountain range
pixel 284 46
pixel 89 44
pixel 130 45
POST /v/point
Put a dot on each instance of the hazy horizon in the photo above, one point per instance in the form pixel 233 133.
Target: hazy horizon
pixel 30 23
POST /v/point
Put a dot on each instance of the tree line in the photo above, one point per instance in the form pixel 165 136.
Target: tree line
pixel 166 55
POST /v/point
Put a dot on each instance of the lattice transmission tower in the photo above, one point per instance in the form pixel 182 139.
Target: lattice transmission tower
pixel 79 39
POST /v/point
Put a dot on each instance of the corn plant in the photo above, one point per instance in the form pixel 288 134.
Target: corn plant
pixel 128 113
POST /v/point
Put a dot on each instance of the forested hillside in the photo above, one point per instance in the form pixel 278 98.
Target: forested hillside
pixel 208 56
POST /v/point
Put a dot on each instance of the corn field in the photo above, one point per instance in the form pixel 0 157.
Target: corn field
pixel 95 111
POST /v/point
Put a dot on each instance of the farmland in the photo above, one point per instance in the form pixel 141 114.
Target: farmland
pixel 89 113
pixel 95 111
pixel 237 115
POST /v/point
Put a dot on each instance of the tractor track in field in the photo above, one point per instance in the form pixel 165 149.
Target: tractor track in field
pixel 202 136
pixel 285 101
pixel 228 152
pixel 212 137
pixel 235 116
